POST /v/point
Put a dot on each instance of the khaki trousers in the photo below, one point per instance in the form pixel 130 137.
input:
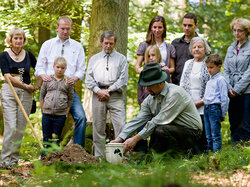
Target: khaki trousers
pixel 117 110
pixel 14 123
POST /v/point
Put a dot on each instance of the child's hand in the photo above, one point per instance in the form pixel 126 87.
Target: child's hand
pixel 70 80
pixel 138 70
pixel 37 87
pixel 164 68
pixel 232 93
pixel 198 104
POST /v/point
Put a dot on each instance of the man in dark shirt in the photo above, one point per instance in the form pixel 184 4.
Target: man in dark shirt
pixel 189 25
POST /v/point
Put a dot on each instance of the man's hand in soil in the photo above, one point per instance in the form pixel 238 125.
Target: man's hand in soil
pixel 130 143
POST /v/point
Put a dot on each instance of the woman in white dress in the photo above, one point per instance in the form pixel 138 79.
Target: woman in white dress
pixel 195 76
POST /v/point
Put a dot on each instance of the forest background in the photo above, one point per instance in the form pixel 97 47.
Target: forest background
pixel 38 18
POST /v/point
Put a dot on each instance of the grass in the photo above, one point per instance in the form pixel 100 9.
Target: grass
pixel 155 170
pixel 159 170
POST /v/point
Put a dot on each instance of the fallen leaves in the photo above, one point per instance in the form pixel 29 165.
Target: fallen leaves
pixel 240 179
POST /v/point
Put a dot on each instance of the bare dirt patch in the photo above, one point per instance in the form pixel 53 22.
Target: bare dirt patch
pixel 11 177
pixel 239 178
pixel 70 154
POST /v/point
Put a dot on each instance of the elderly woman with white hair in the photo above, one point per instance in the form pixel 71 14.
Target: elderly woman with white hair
pixel 195 76
pixel 237 73
pixel 15 64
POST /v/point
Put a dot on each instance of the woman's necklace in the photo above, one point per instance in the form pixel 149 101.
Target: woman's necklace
pixel 17 54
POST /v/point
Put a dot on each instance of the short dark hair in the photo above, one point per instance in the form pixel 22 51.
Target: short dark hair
pixel 215 59
pixel 107 34
pixel 191 16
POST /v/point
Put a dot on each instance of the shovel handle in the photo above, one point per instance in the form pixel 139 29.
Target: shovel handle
pixel 24 113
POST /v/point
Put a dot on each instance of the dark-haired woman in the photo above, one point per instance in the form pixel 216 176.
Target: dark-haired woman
pixel 155 35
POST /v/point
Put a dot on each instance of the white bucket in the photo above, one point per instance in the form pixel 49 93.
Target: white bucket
pixel 114 152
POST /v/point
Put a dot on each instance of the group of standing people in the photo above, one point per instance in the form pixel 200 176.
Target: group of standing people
pixel 171 115
pixel 60 64
pixel 198 72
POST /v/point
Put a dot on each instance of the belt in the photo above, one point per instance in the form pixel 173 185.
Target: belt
pixel 104 87
pixel 209 105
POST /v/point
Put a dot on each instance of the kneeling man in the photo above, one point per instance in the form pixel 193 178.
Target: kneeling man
pixel 169 113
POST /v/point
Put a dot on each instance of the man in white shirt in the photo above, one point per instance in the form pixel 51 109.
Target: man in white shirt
pixel 107 77
pixel 73 52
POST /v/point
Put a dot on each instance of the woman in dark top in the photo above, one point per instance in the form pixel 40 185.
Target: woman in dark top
pixel 155 36
pixel 15 64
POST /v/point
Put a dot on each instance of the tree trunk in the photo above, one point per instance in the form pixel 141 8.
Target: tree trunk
pixel 106 15
pixel 43 35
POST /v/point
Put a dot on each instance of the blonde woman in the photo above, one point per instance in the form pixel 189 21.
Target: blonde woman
pixel 237 73
pixel 15 64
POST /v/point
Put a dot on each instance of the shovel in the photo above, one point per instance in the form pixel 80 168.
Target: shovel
pixel 24 113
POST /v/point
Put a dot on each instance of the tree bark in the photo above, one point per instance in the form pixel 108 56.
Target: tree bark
pixel 43 35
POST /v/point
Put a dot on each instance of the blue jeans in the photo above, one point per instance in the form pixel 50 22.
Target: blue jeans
pixel 212 119
pixel 239 112
pixel 80 120
pixel 52 124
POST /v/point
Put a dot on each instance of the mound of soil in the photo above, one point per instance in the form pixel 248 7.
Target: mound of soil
pixel 71 154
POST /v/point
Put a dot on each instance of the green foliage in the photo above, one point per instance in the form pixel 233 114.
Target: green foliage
pixel 29 149
pixel 225 132
pixel 214 18
pixel 159 170
pixel 228 159
pixel 31 15
pixel 43 171
pixel 105 174
pixel 50 147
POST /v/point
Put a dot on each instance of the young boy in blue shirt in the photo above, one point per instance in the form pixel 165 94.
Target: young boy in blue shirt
pixel 216 102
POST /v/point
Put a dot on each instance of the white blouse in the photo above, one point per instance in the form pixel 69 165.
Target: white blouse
pixel 195 83
pixel 163 50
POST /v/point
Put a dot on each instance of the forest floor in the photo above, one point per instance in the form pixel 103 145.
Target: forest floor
pixel 239 178
pixel 74 154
